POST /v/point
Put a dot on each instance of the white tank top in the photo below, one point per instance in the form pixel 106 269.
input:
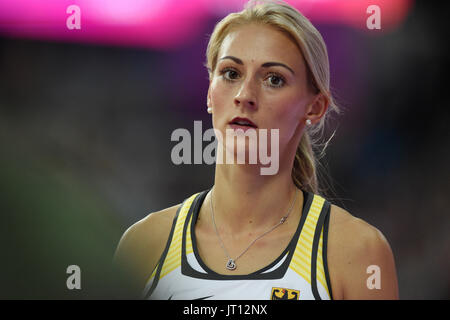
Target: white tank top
pixel 299 273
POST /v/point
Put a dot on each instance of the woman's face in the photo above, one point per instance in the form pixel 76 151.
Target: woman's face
pixel 260 75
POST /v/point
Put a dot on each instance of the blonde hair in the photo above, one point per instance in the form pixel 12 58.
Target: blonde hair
pixel 309 41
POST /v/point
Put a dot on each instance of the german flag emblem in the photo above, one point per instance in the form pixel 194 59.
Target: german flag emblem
pixel 284 294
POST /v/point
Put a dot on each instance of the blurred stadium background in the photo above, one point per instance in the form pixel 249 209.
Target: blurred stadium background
pixel 86 118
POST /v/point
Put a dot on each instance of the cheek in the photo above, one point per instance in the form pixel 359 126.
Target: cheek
pixel 221 100
pixel 284 112
pixel 286 116
pixel 219 93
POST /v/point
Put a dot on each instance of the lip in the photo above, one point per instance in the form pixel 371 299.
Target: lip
pixel 235 125
pixel 243 128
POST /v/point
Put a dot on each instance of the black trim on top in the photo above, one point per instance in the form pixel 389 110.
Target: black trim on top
pixel 161 260
pixel 323 213
pixel 186 269
pixel 324 252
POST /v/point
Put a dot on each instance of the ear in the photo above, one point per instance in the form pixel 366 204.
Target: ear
pixel 208 97
pixel 317 108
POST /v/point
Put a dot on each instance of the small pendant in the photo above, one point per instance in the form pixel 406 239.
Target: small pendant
pixel 231 265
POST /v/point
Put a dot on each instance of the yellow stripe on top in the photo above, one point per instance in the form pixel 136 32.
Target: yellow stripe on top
pixel 173 257
pixel 188 237
pixel 301 260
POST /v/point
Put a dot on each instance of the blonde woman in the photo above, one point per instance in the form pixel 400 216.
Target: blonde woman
pixel 256 236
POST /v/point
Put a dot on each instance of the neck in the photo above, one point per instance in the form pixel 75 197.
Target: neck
pixel 244 200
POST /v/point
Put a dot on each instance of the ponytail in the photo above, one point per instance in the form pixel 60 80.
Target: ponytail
pixel 304 169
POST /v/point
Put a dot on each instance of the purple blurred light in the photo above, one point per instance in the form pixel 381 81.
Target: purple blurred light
pixel 164 23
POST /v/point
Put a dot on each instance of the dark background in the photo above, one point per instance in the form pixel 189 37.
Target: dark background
pixel 85 149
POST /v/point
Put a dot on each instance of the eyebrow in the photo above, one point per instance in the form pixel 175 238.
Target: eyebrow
pixel 264 65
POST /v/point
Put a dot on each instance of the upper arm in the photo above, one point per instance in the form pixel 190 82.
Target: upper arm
pixel 371 269
pixel 130 243
pixel 142 244
pixel 364 262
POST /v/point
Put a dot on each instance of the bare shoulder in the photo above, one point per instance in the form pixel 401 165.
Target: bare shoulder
pixel 154 225
pixel 355 249
pixel 142 244
pixel 341 220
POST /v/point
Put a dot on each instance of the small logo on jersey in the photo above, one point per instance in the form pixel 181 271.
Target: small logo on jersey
pixel 284 294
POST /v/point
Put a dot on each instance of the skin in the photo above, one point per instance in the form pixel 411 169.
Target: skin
pixel 272 97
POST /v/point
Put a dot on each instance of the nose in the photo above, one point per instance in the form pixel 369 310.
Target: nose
pixel 246 96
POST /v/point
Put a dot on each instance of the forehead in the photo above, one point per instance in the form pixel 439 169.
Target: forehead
pixel 261 43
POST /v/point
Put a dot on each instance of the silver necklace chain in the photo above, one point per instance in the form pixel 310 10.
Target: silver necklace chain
pixel 231 263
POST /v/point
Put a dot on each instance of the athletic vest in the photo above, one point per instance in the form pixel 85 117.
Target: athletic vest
pixel 299 273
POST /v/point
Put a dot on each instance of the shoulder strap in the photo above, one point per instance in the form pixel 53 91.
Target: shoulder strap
pixel 171 256
pixel 305 261
pixel 324 252
pixel 318 239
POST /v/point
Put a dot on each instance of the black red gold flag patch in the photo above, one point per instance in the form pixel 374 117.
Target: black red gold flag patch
pixel 284 294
